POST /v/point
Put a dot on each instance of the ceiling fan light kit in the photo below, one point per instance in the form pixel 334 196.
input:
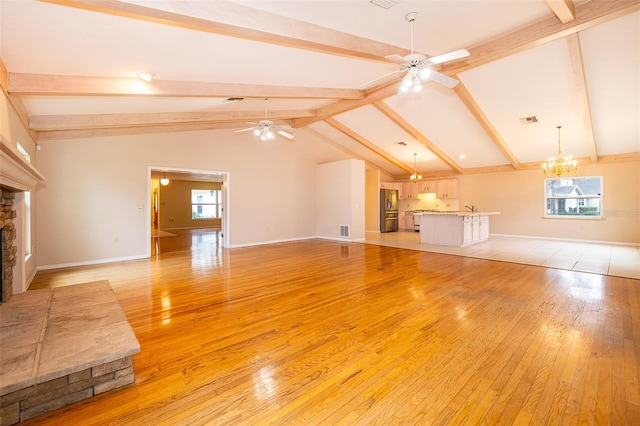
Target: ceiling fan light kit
pixel 419 69
pixel 265 128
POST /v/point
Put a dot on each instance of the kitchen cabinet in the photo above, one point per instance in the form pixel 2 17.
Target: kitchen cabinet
pixel 401 220
pixel 393 185
pixel 454 229
pixel 427 186
pixel 409 191
pixel 409 221
pixel 446 188
pixel 484 228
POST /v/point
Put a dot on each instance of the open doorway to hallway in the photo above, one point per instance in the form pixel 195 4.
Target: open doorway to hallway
pixel 186 204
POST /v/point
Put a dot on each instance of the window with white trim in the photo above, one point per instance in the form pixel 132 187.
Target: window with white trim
pixel 573 197
pixel 205 203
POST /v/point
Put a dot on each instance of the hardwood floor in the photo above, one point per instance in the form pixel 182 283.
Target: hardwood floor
pixel 320 332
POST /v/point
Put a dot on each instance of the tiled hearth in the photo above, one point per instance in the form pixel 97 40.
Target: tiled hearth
pixel 60 346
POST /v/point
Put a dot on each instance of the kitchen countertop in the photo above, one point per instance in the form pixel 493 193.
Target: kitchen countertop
pixel 458 213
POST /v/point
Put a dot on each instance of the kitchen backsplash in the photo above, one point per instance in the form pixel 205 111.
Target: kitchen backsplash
pixel 428 202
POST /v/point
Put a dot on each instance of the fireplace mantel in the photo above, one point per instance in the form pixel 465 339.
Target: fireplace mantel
pixel 16 172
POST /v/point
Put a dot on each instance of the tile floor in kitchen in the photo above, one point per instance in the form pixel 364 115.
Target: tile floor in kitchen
pixel 600 258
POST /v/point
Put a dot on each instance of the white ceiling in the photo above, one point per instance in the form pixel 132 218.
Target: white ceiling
pixel 583 75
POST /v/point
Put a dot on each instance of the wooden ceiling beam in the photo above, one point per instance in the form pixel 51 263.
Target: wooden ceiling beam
pixel 93 121
pixel 407 127
pixel 125 131
pixel 335 108
pixel 563 9
pixel 73 85
pixel 588 15
pixel 370 146
pixel 342 148
pixel 14 100
pixel 577 67
pixel 483 120
pixel 236 20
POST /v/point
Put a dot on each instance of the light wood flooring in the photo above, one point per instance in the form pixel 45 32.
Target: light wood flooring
pixel 320 332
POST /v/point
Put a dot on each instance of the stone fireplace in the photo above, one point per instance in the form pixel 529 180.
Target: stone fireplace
pixel 7 237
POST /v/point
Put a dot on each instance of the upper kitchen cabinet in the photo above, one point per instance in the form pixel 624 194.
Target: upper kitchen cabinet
pixel 427 186
pixel 409 190
pixel 447 188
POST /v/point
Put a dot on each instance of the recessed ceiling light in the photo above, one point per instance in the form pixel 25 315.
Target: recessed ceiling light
pixel 461 156
pixel 146 76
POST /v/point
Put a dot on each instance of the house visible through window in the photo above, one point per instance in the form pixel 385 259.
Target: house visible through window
pixel 205 203
pixel 573 197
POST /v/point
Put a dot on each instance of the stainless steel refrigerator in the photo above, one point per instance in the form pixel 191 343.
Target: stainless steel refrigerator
pixel 388 210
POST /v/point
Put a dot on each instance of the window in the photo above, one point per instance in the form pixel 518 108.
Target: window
pixel 205 204
pixel 573 197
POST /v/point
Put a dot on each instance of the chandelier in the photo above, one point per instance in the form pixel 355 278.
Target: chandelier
pixel 415 176
pixel 559 165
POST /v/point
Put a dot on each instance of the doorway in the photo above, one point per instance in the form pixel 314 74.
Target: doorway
pixel 184 178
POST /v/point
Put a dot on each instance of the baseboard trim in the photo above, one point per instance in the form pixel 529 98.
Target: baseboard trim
pixel 90 262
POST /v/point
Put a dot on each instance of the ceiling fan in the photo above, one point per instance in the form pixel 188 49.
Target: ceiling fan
pixel 266 130
pixel 419 68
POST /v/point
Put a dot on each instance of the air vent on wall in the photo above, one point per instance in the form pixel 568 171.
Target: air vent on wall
pixel 529 120
pixel 344 230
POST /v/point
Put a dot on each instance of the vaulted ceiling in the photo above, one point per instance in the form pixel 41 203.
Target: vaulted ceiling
pixel 70 68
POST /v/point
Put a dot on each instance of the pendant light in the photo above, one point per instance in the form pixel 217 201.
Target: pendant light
pixel 415 176
pixel 164 181
pixel 559 165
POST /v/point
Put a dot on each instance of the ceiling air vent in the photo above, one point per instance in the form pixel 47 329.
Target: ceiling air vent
pixel 385 4
pixel 233 99
pixel 401 143
pixel 529 120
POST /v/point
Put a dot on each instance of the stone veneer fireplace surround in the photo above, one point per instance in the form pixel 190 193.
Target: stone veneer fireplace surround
pixel 7 237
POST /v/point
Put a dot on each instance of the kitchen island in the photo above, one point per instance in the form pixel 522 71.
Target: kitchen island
pixel 458 229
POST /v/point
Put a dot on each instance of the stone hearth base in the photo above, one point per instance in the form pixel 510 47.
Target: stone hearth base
pixel 60 346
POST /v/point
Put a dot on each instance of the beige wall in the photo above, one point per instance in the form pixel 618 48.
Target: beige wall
pixel 175 205
pixel 95 204
pixel 340 198
pixel 519 196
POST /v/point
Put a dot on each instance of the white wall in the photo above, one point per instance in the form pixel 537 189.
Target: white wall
pixel 89 210
pixel 340 198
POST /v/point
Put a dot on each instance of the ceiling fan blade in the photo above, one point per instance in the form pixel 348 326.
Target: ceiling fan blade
pixel 397 59
pixel 286 134
pixel 445 80
pixel 445 57
pixel 250 129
